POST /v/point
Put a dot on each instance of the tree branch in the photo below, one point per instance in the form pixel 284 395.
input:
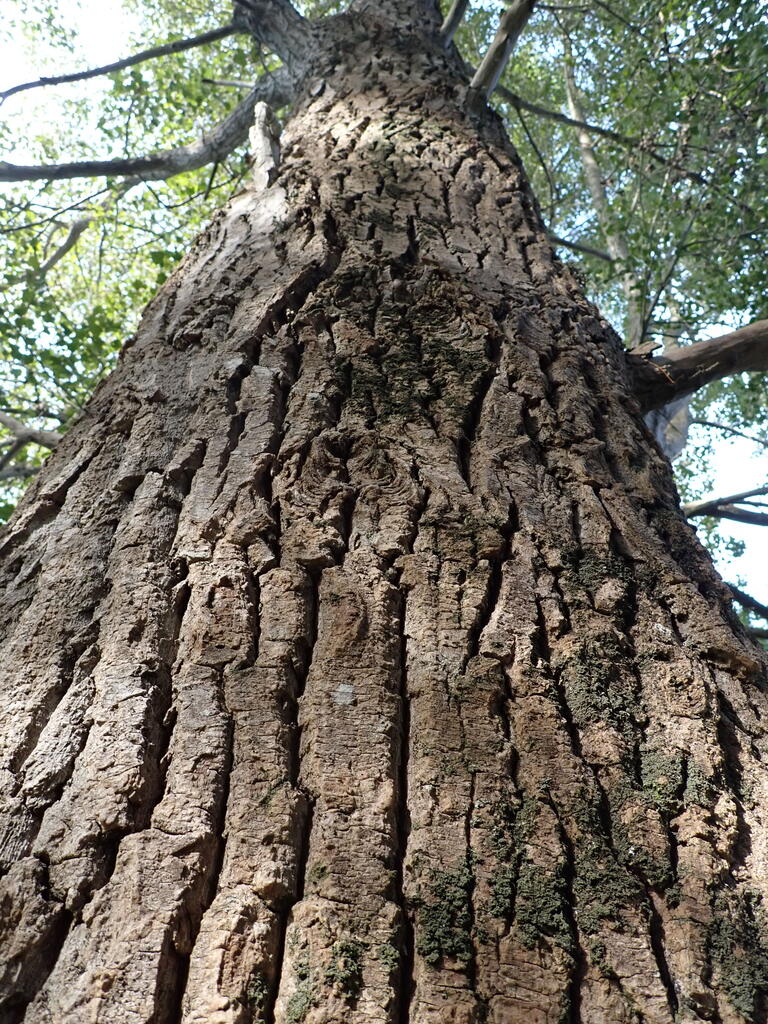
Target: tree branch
pixel 714 425
pixel 138 58
pixel 28 435
pixel 554 115
pixel 214 145
pixel 278 25
pixel 511 24
pixel 615 242
pixel 14 448
pixel 634 142
pixel 228 83
pixel 710 505
pixel 77 227
pixel 19 471
pixel 452 21
pixel 579 247
pixel 740 515
pixel 747 601
pixel 684 370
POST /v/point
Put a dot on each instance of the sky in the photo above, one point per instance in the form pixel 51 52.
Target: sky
pixel 103 26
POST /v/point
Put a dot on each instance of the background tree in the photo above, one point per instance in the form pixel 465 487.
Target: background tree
pixel 359 663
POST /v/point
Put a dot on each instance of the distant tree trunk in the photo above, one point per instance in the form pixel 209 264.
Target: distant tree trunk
pixel 358 663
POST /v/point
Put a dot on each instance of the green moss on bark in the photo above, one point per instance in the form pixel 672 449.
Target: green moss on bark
pixel 444 917
pixel 598 685
pixel 738 948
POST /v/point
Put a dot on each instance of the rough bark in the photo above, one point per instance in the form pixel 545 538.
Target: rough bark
pixel 358 662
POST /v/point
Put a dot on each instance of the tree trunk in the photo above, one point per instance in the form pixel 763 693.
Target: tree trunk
pixel 359 664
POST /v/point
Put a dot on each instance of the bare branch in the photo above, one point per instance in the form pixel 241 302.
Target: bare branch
pixel 554 115
pixel 740 515
pixel 227 83
pixel 636 143
pixel 614 240
pixel 76 228
pixel 730 430
pixel 710 505
pixel 579 247
pixel 543 164
pixel 138 58
pixel 54 216
pixel 214 145
pixel 747 601
pixel 452 21
pixel 511 24
pixel 14 448
pixel 18 471
pixel 672 263
pixel 21 432
pixel 684 370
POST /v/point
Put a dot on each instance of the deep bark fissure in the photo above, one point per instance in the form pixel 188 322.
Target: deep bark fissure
pixel 51 502
pixel 302 851
pixel 407 952
pixel 727 736
pixel 471 966
pixel 178 965
pixel 17 1005
pixel 474 413
pixel 73 656
pixel 656 931
pixel 579 971
pixel 403 826
pixel 182 594
pixel 165 714
pixel 75 641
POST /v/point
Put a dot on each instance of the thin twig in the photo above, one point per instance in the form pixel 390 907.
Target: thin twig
pixel 138 58
pixel 543 165
pixel 579 247
pixel 729 430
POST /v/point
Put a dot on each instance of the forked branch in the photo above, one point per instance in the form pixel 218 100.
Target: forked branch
pixel 278 25
pixel 727 507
